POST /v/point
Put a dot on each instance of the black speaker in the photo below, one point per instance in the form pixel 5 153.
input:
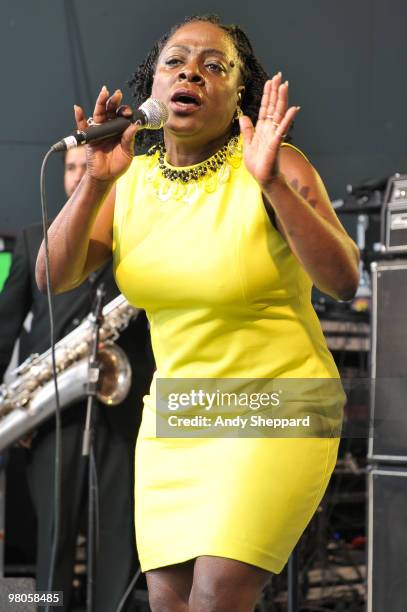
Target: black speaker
pixel 388 406
pixel 22 587
pixel 387 540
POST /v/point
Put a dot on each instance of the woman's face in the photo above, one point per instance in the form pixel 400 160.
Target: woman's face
pixel 198 78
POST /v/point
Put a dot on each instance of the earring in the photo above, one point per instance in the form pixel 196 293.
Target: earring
pixel 238 113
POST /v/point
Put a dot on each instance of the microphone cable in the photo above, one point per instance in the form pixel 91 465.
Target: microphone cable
pixel 58 432
pixel 128 590
pixel 58 441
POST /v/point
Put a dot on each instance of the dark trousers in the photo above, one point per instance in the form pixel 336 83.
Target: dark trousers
pixel 116 560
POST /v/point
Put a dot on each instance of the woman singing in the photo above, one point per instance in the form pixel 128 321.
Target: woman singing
pixel 219 233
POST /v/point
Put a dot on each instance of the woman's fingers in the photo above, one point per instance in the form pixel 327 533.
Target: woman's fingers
pixel 274 113
pixel 281 118
pixel 99 112
pixel 287 120
pixel 124 111
pixel 105 108
pixel 80 118
pixel 280 107
pixel 265 101
pixel 275 84
pixel 127 141
pixel 113 103
pixel 269 99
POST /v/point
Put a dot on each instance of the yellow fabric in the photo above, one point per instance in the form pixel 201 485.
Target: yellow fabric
pixel 225 298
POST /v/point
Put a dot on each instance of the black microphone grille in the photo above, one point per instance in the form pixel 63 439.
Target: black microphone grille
pixel 156 112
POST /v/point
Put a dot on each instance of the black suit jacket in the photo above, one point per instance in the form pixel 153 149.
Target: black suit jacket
pixel 20 295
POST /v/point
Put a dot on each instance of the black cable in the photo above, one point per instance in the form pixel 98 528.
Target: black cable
pixel 58 442
pixel 79 68
pixel 129 590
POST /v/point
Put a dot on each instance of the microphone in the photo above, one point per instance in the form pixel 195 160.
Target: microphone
pixel 152 115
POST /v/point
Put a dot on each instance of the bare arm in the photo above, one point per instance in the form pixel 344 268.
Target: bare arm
pixel 294 191
pixel 80 238
pixel 309 224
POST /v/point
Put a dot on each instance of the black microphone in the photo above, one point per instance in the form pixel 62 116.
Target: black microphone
pixel 152 115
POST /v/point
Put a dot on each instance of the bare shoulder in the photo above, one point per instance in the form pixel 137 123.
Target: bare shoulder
pixel 304 178
pixel 301 174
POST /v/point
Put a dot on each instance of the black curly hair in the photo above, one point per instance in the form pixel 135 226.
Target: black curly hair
pixel 253 74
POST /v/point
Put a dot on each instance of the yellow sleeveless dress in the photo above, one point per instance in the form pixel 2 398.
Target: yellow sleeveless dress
pixel 226 299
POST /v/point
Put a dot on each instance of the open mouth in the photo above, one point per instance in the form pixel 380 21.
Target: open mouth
pixel 186 99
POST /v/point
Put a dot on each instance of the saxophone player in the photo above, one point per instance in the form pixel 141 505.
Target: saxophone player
pixel 116 430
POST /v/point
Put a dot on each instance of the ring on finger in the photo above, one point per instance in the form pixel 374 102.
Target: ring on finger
pixel 280 134
pixel 90 122
pixel 273 123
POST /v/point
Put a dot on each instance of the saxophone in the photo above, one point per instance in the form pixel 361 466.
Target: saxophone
pixel 30 398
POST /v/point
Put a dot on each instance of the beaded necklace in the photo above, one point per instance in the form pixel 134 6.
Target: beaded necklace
pixel 186 185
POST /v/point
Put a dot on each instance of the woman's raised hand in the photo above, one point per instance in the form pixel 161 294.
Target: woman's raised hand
pixel 108 159
pixel 261 144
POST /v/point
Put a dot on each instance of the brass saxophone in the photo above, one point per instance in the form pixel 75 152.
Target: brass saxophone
pixel 30 398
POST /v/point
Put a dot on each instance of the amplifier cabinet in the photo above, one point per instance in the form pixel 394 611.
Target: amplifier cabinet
pixel 387 540
pixel 395 215
pixel 396 228
pixel 388 361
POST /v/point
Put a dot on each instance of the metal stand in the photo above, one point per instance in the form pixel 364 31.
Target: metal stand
pixel 88 445
pixel 3 460
pixel 364 289
pixel 293 589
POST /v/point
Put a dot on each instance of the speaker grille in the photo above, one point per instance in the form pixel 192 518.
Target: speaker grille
pixel 389 362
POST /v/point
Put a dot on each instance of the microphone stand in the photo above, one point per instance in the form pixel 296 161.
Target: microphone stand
pixel 88 443
pixel 3 463
pixel 293 591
